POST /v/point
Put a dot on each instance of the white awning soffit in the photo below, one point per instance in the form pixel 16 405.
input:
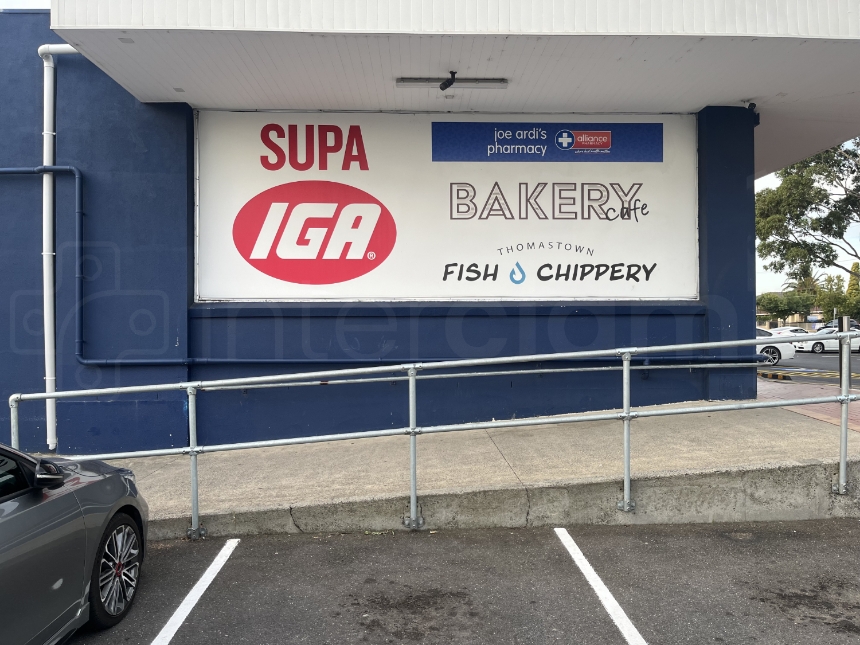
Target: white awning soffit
pixel 798 61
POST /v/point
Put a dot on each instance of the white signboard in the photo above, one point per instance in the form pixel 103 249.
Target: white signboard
pixel 388 207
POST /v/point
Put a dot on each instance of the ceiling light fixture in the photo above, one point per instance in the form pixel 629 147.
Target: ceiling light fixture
pixel 462 83
pixel 444 85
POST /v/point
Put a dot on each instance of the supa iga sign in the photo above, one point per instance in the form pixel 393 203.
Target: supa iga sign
pixel 314 232
pixel 305 207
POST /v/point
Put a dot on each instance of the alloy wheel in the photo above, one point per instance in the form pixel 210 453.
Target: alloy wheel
pixel 772 354
pixel 119 569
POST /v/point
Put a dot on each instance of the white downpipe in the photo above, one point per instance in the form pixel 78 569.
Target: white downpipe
pixel 47 52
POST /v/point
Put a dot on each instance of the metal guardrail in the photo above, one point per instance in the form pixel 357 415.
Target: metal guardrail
pixel 376 374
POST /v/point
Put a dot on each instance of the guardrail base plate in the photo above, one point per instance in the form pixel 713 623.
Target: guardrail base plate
pixel 836 490
pixel 413 525
pixel 195 534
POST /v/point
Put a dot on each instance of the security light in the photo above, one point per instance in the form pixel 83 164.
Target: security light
pixel 756 116
pixel 444 85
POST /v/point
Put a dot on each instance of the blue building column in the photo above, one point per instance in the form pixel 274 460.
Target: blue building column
pixel 727 230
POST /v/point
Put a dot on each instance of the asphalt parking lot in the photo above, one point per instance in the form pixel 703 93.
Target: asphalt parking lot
pixel 715 583
pixel 816 368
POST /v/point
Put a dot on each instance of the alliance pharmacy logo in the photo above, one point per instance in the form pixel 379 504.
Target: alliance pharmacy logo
pixel 314 232
pixel 583 140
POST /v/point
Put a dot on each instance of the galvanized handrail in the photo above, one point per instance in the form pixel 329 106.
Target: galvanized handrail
pixel 373 374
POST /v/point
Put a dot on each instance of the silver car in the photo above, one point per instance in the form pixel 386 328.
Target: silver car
pixel 72 541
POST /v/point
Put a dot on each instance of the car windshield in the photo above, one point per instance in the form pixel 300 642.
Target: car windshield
pixel 18 453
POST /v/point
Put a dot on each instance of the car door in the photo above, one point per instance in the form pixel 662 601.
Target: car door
pixel 761 333
pixel 831 342
pixel 42 552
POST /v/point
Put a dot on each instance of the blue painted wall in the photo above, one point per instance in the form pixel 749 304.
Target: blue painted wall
pixel 135 162
pixel 138 198
pixel 727 237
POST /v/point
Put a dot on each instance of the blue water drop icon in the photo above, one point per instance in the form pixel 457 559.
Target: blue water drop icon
pixel 522 274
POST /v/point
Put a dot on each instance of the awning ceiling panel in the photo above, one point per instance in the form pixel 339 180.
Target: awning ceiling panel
pixel 797 61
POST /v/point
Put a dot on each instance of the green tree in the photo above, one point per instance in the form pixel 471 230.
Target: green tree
pixel 783 305
pixel 852 308
pixel 802 280
pixel 831 295
pixel 803 223
pixel 853 289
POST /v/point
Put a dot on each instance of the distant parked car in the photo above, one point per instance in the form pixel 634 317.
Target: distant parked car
pixel 72 541
pixel 774 353
pixel 824 340
pixel 787 331
pixel 853 324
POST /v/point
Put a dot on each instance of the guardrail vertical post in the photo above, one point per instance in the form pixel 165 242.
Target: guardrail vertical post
pixel 845 391
pixel 626 504
pixel 13 419
pixel 414 521
pixel 196 531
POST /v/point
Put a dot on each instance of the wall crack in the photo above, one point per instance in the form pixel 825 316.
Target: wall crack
pixel 525 488
pixel 295 523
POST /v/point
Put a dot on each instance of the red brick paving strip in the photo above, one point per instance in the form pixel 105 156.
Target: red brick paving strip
pixel 828 412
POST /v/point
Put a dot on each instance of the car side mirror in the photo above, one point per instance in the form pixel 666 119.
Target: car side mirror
pixel 48 474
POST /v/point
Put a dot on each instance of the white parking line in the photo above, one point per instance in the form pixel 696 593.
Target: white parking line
pixel 622 622
pixel 169 630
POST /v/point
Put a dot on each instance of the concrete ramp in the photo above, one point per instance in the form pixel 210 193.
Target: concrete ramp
pixel 772 464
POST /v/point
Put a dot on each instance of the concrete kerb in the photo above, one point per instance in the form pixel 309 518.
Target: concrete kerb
pixel 772 492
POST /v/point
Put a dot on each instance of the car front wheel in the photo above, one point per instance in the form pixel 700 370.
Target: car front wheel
pixel 772 354
pixel 116 572
pixel 817 348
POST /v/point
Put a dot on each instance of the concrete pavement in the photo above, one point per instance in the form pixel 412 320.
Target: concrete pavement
pixel 765 464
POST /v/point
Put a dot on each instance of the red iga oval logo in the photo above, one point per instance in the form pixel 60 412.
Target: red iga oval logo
pixel 314 232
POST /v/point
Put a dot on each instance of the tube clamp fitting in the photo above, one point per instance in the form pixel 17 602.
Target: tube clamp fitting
pixel 195 534
pixel 414 525
pixel 836 489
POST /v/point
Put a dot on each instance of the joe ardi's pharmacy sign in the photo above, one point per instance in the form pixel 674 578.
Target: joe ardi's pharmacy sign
pixel 382 207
